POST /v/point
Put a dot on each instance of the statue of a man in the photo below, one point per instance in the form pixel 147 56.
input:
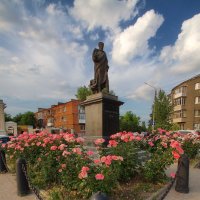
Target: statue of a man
pixel 100 81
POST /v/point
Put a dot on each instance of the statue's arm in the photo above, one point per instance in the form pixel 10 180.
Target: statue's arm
pixel 94 54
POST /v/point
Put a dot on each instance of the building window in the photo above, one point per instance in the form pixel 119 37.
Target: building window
pixel 179 101
pixel 197 100
pixel 64 109
pixel 197 86
pixel 197 113
pixel 81 109
pixel 182 126
pixel 180 90
pixel 82 127
pixel 180 114
pixel 196 126
pixel 82 116
pixel 64 119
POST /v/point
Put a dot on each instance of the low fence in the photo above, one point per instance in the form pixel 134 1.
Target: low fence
pixel 24 185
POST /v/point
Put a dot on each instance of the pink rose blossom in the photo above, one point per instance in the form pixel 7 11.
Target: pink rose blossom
pixel 38 143
pixel 77 151
pixel 62 147
pixel 176 155
pixel 97 161
pixel 65 153
pixel 99 176
pixel 90 153
pixel 151 143
pixel 53 148
pixel 99 141
pixel 112 143
pixel 80 140
pixel 63 166
pixel 172 174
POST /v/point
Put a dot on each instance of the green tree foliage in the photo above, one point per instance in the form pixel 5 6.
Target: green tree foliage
pixel 83 92
pixel 17 118
pixel 8 117
pixel 143 126
pixel 130 122
pixel 28 118
pixel 162 111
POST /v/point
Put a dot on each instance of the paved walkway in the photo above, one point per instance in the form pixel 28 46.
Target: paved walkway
pixel 194 186
pixel 8 188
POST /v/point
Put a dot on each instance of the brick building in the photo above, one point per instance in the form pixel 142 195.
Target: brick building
pixel 68 116
pixel 186 104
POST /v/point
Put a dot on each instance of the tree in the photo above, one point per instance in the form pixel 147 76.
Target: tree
pixel 143 126
pixel 162 109
pixel 83 92
pixel 129 122
pixel 17 118
pixel 28 118
pixel 8 117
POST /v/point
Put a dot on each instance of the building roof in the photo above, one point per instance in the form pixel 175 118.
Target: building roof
pixel 194 77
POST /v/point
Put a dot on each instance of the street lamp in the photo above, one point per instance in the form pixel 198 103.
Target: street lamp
pixel 153 114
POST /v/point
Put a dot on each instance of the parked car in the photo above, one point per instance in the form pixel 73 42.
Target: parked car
pixel 4 139
pixel 190 132
pixel 197 131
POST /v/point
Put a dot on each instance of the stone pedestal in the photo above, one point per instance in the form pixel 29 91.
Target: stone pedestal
pixel 102 115
pixel 2 118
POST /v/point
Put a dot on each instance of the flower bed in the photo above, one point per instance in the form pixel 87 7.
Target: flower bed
pixel 61 164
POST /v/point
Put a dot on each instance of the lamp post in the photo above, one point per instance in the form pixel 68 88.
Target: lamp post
pixel 153 114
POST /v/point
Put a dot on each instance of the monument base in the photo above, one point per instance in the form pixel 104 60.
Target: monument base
pixel 102 115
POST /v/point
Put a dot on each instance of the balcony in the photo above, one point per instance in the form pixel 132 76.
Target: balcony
pixel 181 94
pixel 179 107
pixel 180 119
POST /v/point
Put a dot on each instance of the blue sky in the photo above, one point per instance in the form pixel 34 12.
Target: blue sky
pixel 46 47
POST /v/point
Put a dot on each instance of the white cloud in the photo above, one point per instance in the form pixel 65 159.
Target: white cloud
pixel 103 13
pixel 183 56
pixel 41 53
pixel 133 41
pixel 143 92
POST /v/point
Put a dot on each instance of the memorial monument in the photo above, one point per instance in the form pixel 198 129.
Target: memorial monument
pixel 101 108
pixel 2 117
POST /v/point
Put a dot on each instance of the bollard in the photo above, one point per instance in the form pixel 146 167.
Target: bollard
pixel 182 175
pixel 22 182
pixel 3 162
pixel 99 196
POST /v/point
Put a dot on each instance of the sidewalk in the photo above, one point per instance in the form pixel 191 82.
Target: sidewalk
pixel 8 188
pixel 194 186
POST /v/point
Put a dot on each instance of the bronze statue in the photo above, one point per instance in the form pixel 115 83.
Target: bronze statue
pixel 100 81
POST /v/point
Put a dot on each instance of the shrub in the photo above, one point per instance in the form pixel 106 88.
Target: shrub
pixel 124 144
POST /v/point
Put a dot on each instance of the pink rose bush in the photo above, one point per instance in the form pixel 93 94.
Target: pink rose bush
pixel 62 159
pixel 165 147
pixel 124 146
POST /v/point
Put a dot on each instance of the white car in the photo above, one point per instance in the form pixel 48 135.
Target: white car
pixel 190 132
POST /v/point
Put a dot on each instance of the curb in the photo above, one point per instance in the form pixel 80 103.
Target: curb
pixel 158 195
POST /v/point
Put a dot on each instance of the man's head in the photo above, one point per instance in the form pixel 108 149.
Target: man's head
pixel 101 45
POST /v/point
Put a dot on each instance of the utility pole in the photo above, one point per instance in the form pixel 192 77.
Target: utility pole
pixel 153 113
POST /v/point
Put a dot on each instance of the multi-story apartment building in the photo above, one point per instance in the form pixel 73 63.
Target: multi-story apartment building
pixel 69 116
pixel 186 104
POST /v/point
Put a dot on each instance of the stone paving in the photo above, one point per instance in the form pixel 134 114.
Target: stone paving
pixel 8 188
pixel 194 186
